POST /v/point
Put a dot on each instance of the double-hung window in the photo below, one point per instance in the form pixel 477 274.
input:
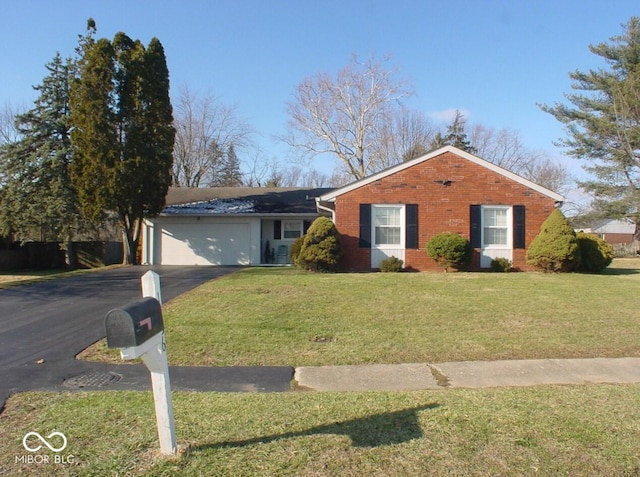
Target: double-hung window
pixel 387 224
pixel 495 226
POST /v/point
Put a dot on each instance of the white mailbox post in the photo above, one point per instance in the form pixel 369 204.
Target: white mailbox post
pixel 138 330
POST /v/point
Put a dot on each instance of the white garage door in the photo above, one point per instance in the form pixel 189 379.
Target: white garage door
pixel 205 244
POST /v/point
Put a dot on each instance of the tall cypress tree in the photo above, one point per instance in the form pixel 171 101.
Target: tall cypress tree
pixel 123 135
pixel 94 135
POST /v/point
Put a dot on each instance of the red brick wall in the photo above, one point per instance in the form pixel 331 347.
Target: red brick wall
pixel 618 238
pixel 440 208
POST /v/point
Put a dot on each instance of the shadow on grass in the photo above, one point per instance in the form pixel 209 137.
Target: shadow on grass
pixel 372 431
pixel 620 271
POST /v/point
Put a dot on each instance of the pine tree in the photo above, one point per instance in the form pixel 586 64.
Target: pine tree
pixel 603 124
pixel 229 174
pixel 456 136
pixel 38 198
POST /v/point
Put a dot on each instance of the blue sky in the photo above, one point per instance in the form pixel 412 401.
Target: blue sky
pixel 492 59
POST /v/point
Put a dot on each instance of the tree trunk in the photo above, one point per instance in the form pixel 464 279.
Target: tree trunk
pixel 128 247
pixel 71 257
pixel 130 238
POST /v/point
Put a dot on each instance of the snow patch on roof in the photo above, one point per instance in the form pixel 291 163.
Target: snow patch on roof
pixel 216 206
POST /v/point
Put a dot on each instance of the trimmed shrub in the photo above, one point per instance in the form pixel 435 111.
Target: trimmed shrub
pixel 450 251
pixel 555 249
pixel 596 254
pixel 321 249
pixel 294 252
pixel 391 264
pixel 501 265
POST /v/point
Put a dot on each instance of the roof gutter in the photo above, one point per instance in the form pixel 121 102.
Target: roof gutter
pixel 326 209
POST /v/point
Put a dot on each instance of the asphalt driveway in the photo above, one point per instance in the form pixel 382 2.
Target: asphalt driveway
pixel 43 326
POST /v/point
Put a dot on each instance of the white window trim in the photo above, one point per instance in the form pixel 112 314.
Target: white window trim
pixel 509 227
pixel 403 231
pixel 300 224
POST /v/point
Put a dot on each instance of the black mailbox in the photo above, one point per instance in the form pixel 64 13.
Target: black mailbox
pixel 134 323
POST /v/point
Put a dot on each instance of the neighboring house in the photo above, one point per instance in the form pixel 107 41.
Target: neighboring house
pixel 392 213
pixel 228 226
pixel 395 212
pixel 621 231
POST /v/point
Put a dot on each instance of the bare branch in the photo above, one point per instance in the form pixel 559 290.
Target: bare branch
pixel 347 116
pixel 205 129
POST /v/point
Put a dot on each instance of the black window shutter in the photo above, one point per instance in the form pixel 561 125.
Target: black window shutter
pixel 365 226
pixel 277 229
pixel 411 231
pixel 518 226
pixel 475 231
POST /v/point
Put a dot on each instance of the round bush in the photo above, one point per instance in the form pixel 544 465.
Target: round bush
pixel 450 251
pixel 596 254
pixel 321 249
pixel 501 265
pixel 391 264
pixel 555 249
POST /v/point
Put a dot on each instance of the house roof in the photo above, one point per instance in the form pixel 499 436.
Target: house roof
pixel 332 195
pixel 241 200
pixel 614 226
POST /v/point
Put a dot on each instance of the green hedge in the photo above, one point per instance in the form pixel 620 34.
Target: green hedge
pixel 450 251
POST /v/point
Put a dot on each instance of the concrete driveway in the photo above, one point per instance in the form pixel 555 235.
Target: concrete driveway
pixel 45 325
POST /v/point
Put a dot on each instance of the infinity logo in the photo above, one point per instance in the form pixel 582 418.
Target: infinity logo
pixel 44 441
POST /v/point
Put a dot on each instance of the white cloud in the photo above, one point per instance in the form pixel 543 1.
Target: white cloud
pixel 448 115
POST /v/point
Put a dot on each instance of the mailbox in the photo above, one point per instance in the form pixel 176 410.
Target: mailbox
pixel 133 324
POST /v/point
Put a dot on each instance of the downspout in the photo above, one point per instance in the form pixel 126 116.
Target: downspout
pixel 326 209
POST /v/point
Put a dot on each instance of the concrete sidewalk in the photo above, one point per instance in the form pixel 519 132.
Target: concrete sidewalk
pixel 468 374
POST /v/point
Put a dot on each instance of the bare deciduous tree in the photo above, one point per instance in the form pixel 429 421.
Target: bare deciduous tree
pixel 504 148
pixel 205 129
pixel 501 147
pixel 9 132
pixel 406 137
pixel 347 115
pixel 551 174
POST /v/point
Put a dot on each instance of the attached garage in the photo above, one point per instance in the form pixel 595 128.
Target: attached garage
pixel 204 243
pixel 228 226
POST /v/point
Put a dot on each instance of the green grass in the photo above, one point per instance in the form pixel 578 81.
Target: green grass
pixel 272 316
pixel 284 316
pixel 561 430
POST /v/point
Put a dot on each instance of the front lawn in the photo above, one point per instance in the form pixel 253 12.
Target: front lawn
pixel 267 316
pixel 548 430
pixel 284 316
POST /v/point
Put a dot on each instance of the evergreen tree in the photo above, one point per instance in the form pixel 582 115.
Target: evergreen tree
pixel 94 136
pixel 38 199
pixel 123 133
pixel 555 248
pixel 321 249
pixel 229 174
pixel 456 136
pixel 603 124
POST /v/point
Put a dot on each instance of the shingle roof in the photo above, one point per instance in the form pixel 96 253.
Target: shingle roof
pixel 242 200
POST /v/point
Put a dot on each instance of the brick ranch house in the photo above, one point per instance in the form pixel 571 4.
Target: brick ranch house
pixel 392 213
pixel 395 212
